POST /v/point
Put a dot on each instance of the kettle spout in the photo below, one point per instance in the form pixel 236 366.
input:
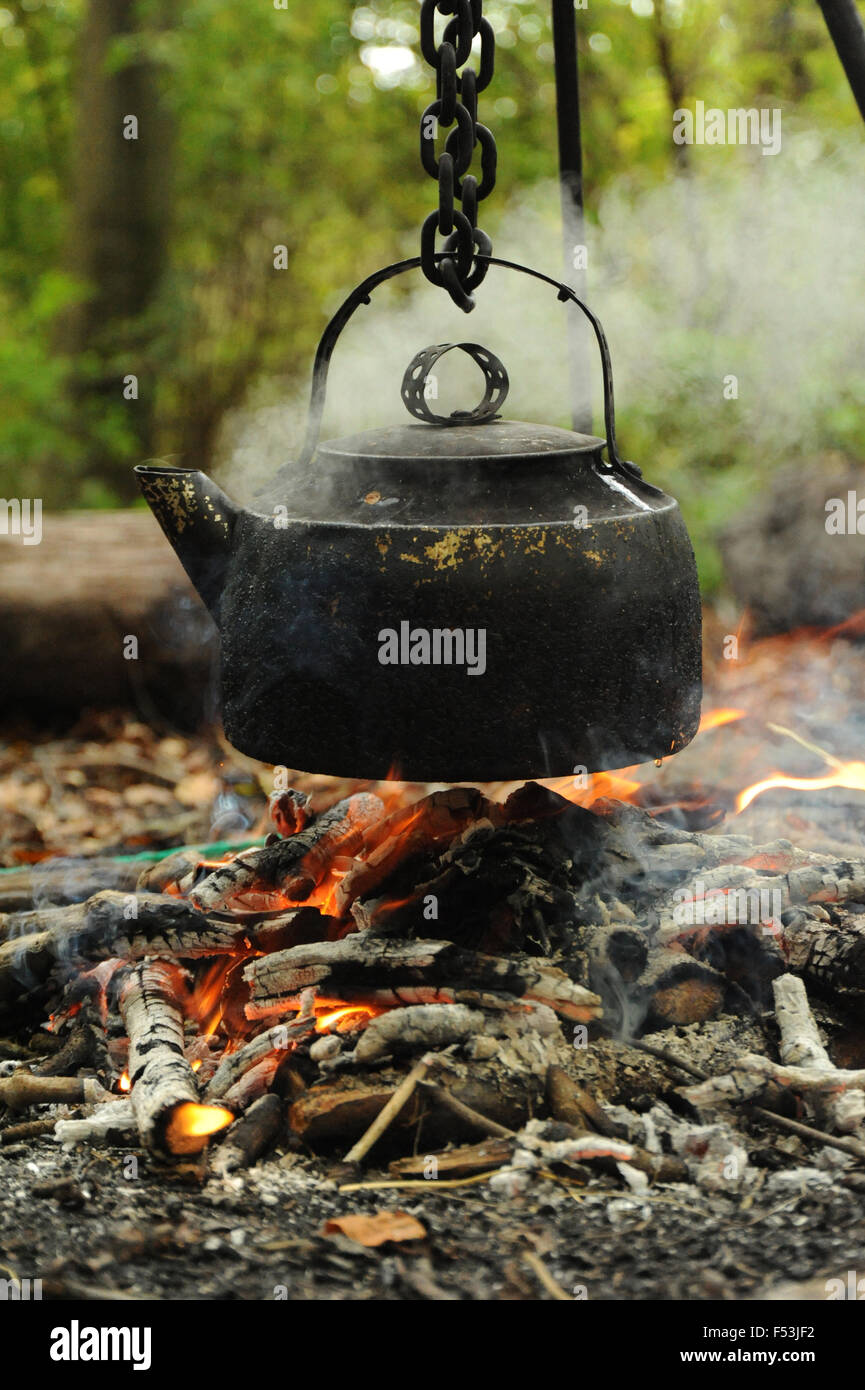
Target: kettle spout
pixel 199 521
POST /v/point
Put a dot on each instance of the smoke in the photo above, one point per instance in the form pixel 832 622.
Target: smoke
pixel 731 299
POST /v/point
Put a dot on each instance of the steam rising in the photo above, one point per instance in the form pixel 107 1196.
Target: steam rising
pixel 751 268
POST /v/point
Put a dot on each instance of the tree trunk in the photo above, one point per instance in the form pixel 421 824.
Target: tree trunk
pixel 673 79
pixel 119 233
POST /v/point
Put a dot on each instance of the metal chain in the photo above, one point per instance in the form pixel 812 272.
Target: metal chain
pixel 456 105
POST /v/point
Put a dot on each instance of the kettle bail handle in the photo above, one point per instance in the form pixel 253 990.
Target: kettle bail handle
pixel 361 295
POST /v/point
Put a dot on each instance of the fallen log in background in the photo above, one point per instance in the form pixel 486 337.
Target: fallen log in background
pixel 62 626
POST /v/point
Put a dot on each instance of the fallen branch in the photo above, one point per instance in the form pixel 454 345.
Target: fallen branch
pixel 831 1141
pixel 400 1097
pixel 250 1136
pixel 821 880
pixel 30 1129
pixel 417 1026
pixel 801 1044
pixel 22 1089
pixel 254 1082
pixel 452 1163
pixel 443 1097
pixel 108 925
pixel 283 1037
pixel 829 955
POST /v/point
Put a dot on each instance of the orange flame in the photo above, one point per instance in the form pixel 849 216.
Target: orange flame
pixel 124 1084
pixel 851 776
pixel 586 790
pixel 325 1023
pixel 207 1003
pixel 714 718
pixel 623 785
pixel 191 1125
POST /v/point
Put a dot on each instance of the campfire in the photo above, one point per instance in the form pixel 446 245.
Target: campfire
pixel 481 965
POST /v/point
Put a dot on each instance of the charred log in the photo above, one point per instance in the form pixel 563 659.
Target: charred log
pixel 346 968
pixel 297 864
pixel 250 1136
pixel 830 955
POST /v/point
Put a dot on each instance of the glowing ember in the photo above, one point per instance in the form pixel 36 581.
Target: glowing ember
pixel 191 1125
pixel 325 1023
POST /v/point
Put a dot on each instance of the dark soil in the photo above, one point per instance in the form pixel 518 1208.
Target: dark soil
pixel 172 1234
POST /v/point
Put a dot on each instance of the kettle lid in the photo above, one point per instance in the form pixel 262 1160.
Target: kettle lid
pixel 422 443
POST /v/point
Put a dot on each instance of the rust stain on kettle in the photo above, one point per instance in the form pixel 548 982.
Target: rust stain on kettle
pixel 447 552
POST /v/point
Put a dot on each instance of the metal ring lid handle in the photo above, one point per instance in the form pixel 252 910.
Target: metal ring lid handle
pixel 361 295
pixel 418 375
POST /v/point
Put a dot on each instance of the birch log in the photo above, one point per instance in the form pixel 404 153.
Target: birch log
pixel 801 1046
pixel 109 924
pixel 165 1098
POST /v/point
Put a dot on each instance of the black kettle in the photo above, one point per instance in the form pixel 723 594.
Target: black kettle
pixel 464 600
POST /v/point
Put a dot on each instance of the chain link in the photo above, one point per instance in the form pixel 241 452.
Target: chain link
pixel 455 109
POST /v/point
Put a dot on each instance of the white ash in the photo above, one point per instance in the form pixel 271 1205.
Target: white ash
pixel 793 1181
pixel 637 1180
pixel 624 1209
pixel 714 1154
pixel 113 1120
pixel 534 1150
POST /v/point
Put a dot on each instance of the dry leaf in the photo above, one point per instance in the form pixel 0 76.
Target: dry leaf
pixel 375 1230
pixel 147 794
pixel 197 789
